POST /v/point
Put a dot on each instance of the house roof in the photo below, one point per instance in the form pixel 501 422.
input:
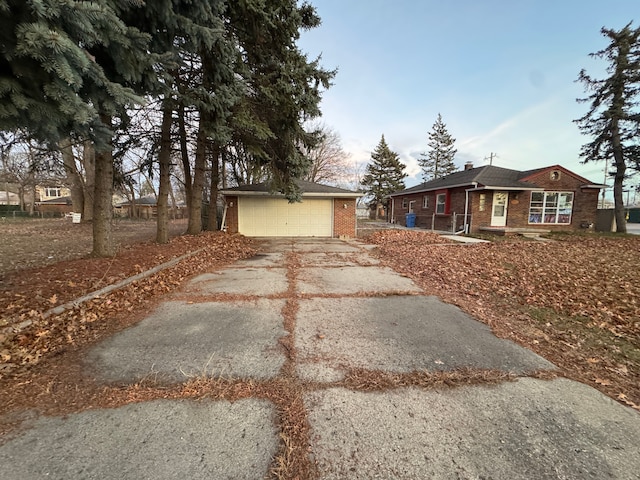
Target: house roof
pixel 146 200
pixel 308 189
pixel 56 201
pixel 489 177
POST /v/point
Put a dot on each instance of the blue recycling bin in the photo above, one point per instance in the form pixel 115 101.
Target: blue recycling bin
pixel 410 220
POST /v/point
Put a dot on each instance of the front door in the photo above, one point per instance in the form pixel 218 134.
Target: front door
pixel 499 209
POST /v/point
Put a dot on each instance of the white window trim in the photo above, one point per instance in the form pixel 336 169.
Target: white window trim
pixel 404 203
pixel 52 192
pixel 443 204
pixel 425 201
pixel 543 209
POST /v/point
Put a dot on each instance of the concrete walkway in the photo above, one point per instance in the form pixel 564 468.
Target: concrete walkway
pixel 323 320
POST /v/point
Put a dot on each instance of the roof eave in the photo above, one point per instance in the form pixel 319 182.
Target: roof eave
pixel 511 189
pixel 241 193
pixel 441 187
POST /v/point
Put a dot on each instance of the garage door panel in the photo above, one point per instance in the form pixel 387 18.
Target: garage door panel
pixel 269 217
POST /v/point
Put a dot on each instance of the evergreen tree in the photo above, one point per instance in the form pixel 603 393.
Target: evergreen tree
pixel 189 36
pixel 613 120
pixel 438 161
pixel 384 175
pixel 51 83
pixel 283 87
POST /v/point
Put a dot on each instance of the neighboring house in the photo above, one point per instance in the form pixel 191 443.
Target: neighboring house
pixel 55 206
pixel 44 193
pixel 254 211
pixel 146 207
pixel 501 200
pixel 9 198
pixel 143 207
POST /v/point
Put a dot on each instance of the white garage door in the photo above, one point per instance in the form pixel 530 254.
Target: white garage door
pixel 276 217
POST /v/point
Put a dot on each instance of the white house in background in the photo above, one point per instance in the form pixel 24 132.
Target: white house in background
pixel 9 198
pixel 44 193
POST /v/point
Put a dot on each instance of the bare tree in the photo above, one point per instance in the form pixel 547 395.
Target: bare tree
pixel 328 159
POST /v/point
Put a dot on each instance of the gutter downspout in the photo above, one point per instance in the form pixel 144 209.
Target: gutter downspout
pixel 223 227
pixel 466 207
pixel 393 213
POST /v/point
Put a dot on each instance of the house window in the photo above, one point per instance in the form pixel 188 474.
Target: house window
pixel 51 192
pixel 404 203
pixel 551 207
pixel 441 203
pixel 411 204
pixel 425 201
pixel 483 202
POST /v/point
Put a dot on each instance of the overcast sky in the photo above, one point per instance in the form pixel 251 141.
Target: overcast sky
pixel 501 72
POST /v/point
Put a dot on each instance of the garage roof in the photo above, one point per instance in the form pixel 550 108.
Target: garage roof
pixel 308 189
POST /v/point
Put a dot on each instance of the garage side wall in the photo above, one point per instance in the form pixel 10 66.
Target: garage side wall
pixel 232 214
pixel 344 217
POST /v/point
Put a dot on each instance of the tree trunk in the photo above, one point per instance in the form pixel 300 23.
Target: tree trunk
pixel 32 205
pixel 223 164
pixel 133 206
pixel 21 200
pixel 184 155
pixel 102 200
pixel 174 207
pixel 618 179
pixel 212 221
pixel 88 162
pixel 73 176
pixel 164 161
pixel 195 205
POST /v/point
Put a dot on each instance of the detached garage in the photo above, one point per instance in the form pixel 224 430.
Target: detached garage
pixel 325 211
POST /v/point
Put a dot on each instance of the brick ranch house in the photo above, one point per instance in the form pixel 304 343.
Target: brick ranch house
pixel 500 200
pixel 255 211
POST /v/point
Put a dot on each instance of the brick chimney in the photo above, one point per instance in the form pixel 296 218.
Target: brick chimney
pixel 468 165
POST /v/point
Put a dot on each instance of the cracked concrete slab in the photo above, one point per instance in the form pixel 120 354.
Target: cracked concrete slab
pixel 350 280
pixel 179 341
pixel 325 246
pixel 321 259
pixel 151 440
pixel 528 429
pixel 240 281
pixel 401 334
pixel 269 259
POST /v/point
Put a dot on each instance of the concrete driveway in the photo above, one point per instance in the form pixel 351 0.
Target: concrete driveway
pixel 392 383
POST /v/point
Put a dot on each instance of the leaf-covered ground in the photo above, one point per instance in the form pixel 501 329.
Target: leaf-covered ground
pixel 28 334
pixel 574 300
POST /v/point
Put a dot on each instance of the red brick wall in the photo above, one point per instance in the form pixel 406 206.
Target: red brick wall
pixel 424 216
pixel 585 202
pixel 231 220
pixel 344 219
pixel 54 208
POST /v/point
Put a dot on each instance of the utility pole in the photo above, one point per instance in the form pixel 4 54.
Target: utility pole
pixel 604 190
pixel 490 157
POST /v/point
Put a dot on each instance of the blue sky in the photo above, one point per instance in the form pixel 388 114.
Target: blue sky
pixel 501 72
